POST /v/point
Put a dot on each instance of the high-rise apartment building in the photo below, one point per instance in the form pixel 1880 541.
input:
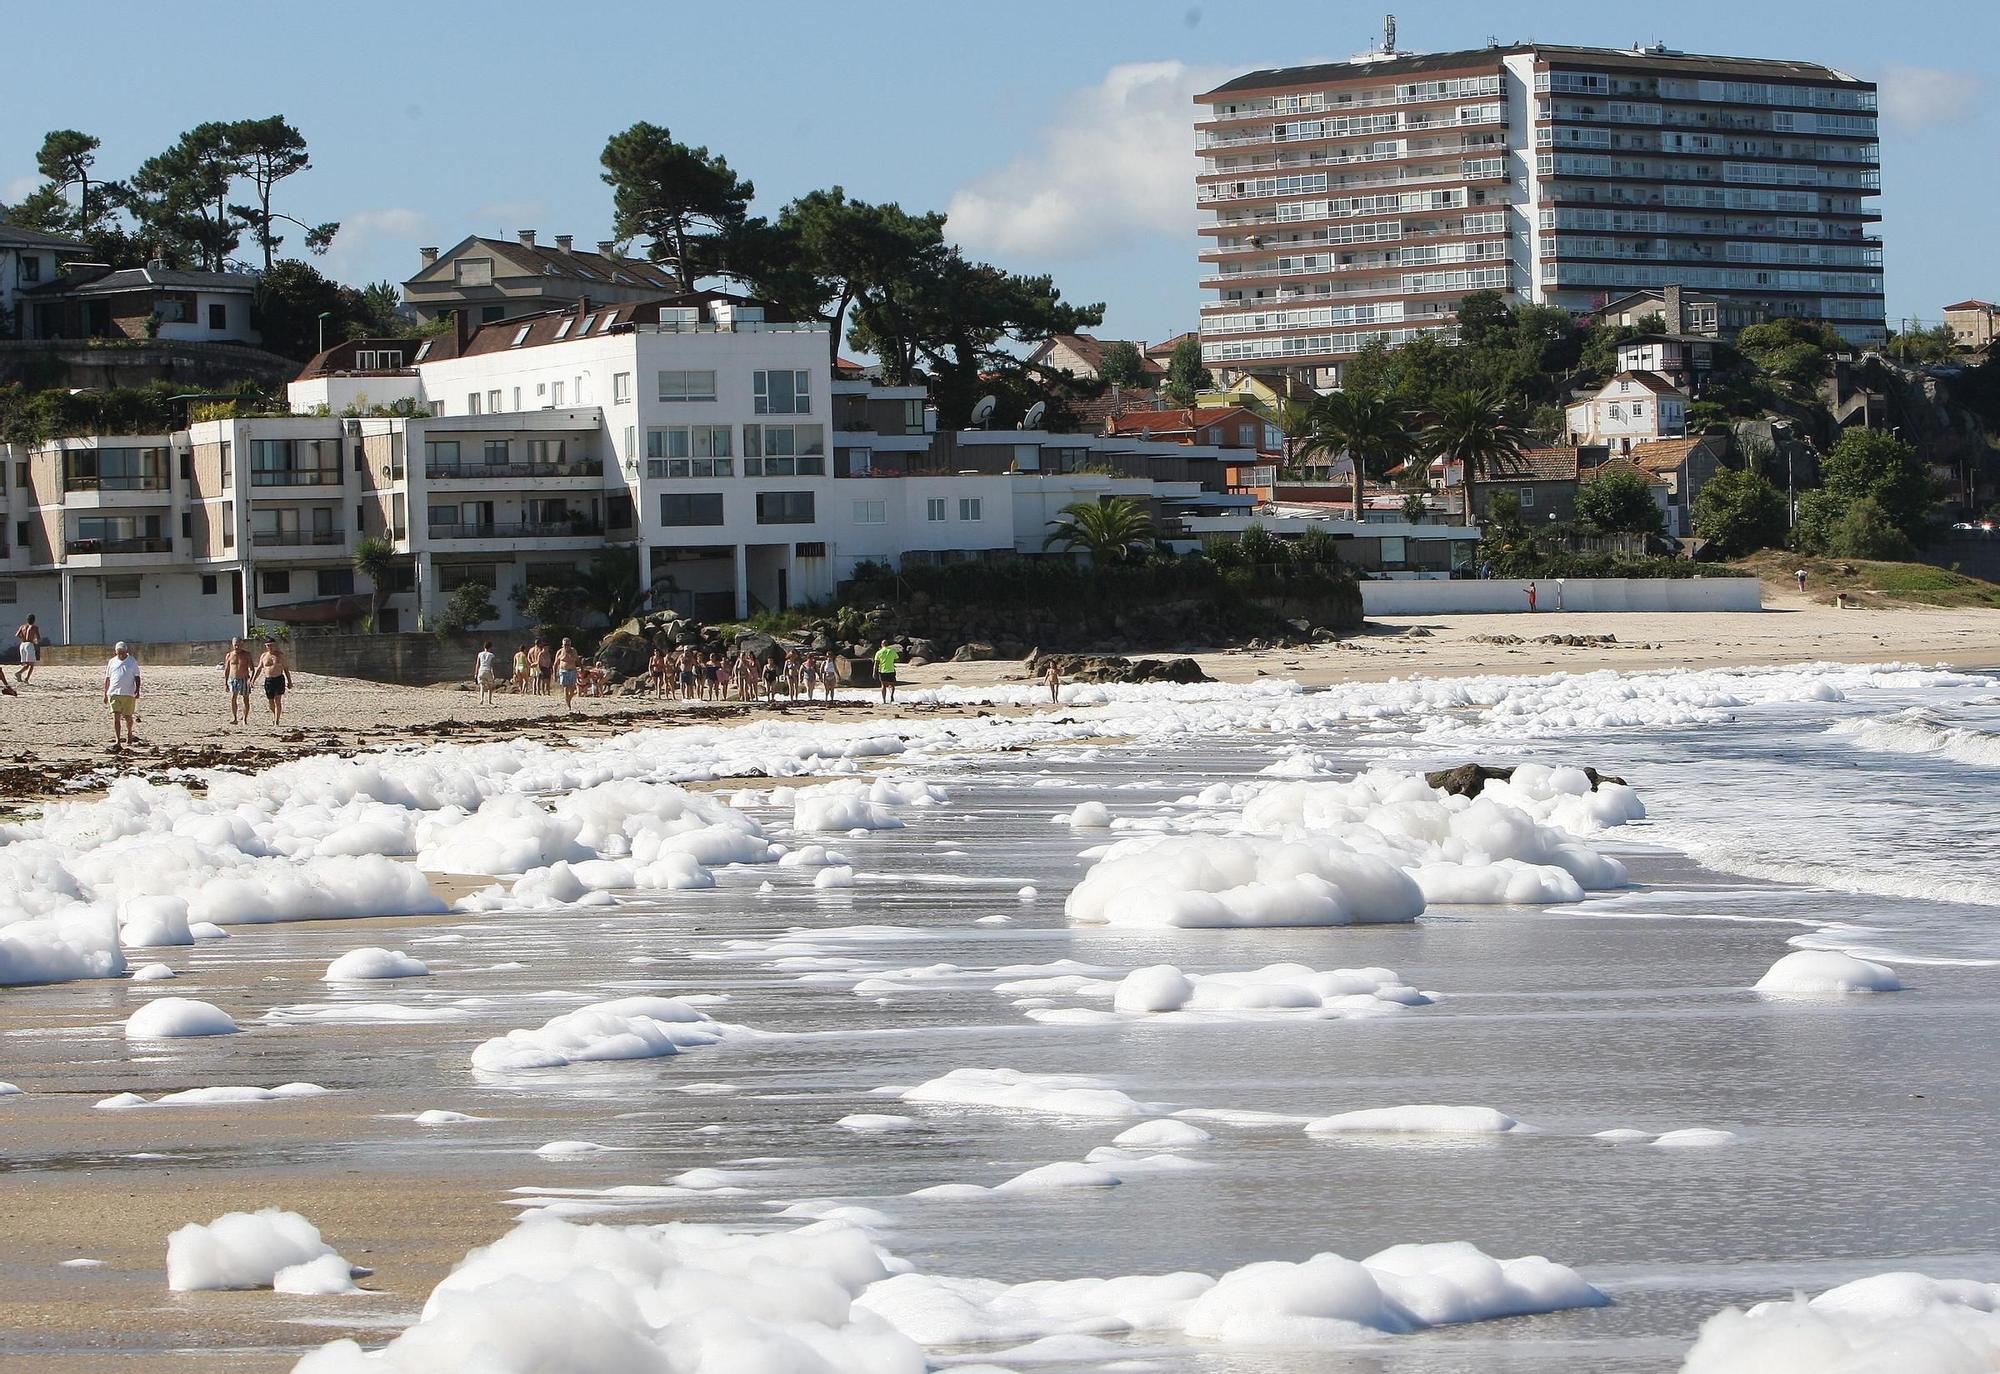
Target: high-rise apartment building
pixel 1363 200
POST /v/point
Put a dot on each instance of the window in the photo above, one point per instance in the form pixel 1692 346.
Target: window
pixel 588 321
pixel 563 331
pixel 1246 436
pixel 380 360
pixel 444 515
pixel 934 509
pixel 784 508
pixel 493 401
pixel 227 448
pixel 208 584
pixel 517 398
pixel 171 311
pixel 782 393
pixel 10 592
pixel 218 315
pixel 520 337
pixel 860 462
pixel 441 452
pixel 913 416
pixel 424 349
pixel 21 476
pixel 472 406
pixel 556 398
pixel 631 441
pixel 691 508
pixel 121 588
pixel 621 388
pixel 687 386
pixel 494 452
pixel 336 581
pixel 31 270
pixel 690 451
pixel 274 582
pixel 1527 497
pixel 545 450
pixel 871 512
pixel 784 450
pixel 609 320
pixel 488 314
pixel 187 524
pixel 970 507
pixel 452 576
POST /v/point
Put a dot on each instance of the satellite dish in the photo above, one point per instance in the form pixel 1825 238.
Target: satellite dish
pixel 1033 419
pixel 983 412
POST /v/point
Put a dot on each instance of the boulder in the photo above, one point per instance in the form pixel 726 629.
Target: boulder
pixel 624 653
pixel 975 653
pixel 1469 779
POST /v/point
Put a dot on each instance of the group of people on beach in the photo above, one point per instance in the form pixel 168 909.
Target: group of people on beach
pixel 539 671
pixel 679 673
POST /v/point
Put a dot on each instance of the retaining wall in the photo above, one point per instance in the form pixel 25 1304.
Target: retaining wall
pixel 1437 597
pixel 404 658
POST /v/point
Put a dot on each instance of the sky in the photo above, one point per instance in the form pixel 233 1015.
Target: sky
pixel 1058 136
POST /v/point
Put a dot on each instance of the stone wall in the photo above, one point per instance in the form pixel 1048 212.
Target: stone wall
pixel 410 659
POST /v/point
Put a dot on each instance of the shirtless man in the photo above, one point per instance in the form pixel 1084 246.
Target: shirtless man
pixel 276 672
pixel 236 674
pixel 566 663
pixel 29 637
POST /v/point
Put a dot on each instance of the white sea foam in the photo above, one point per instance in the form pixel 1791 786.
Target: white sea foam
pixel 1416 1120
pixel 1921 731
pixel 1896 1323
pixel 169 1018
pixel 625 1028
pixel 374 962
pixel 1818 973
pixel 242 1250
pixel 1055 1094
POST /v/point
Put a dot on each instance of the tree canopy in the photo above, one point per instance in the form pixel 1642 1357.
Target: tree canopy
pixel 1109 531
pixel 1618 502
pixel 1122 365
pixel 685 201
pixel 1187 375
pixel 1740 512
pixel 1868 465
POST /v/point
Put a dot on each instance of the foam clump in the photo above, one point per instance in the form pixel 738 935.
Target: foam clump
pixel 551 1295
pixel 1089 815
pixel 878 1123
pixel 1165 1134
pixel 1273 989
pixel 169 1018
pixel 1695 1138
pixel 327 1276
pixel 1216 881
pixel 151 922
pixel 1056 1094
pixel 1824 972
pixel 624 1028
pixel 1896 1323
pixel 373 962
pixel 152 973
pixel 438 1116
pixel 1326 1300
pixel 242 1250
pixel 1416 1120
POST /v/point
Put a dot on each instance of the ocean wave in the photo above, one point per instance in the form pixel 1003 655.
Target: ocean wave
pixel 1922 731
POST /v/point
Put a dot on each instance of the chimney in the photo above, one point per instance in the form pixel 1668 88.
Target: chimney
pixel 582 306
pixel 429 256
pixel 527 238
pixel 1671 308
pixel 462 327
pixel 563 241
pixel 604 247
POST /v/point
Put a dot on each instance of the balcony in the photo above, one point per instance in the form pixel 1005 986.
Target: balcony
pixel 104 546
pixel 577 527
pixel 295 477
pixel 487 472
pixel 294 539
pixel 144 481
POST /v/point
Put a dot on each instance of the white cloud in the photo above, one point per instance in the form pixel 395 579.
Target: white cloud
pixel 369 241
pixel 1922 97
pixel 1115 161
pixel 19 188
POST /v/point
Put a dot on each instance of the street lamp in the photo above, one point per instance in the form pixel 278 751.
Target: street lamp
pixel 324 316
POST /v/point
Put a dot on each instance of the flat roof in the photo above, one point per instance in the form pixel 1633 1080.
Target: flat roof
pixel 1375 65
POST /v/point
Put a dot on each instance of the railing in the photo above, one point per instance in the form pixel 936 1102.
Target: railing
pixel 482 472
pixel 295 477
pixel 88 546
pixel 521 529
pixel 735 327
pixel 150 481
pixel 281 539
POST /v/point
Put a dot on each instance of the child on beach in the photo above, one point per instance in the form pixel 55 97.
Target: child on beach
pixel 483 674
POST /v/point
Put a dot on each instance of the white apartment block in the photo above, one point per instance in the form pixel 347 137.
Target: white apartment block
pixel 714 443
pixel 1362 200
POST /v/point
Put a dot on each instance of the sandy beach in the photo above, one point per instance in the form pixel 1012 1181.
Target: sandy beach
pixel 58 730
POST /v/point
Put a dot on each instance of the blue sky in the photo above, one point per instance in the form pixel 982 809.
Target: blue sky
pixel 1058 134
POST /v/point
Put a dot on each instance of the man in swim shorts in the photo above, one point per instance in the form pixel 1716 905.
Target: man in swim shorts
pixel 236 672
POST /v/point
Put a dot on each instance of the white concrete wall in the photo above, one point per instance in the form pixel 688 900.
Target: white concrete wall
pixel 169 607
pixel 1433 597
pixel 39 595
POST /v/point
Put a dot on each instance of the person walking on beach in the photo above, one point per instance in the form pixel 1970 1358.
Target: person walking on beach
pixel 1800 574
pixel 29 637
pixel 121 694
pixel 483 675
pixel 567 660
pixel 548 669
pixel 519 682
pixel 1052 674
pixel 277 675
pixel 886 657
pixel 829 673
pixel 236 673
pixel 1531 597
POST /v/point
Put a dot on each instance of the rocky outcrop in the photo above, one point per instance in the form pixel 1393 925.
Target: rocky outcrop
pixel 1112 668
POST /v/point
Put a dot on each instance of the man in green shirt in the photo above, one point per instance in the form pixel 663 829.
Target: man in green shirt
pixel 885 669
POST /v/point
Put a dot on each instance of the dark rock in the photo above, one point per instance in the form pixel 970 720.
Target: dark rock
pixel 1470 779
pixel 975 653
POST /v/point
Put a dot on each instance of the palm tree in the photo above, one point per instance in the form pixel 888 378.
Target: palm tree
pixel 1373 431
pixel 1478 431
pixel 1109 531
pixel 609 585
pixel 375 559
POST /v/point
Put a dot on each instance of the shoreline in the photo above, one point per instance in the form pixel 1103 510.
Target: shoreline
pixel 60 728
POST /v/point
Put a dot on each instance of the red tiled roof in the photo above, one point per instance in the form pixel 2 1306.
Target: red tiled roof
pixel 1652 381
pixel 1091 350
pixel 1535 465
pixel 1624 465
pixel 1165 347
pixel 1973 305
pixel 1663 455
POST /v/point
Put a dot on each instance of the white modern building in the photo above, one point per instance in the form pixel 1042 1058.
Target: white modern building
pixel 1632 406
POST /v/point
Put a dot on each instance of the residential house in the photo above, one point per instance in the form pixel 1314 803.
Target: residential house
pixel 1683 359
pixel 1082 357
pixel 154 301
pixel 1543 479
pixel 1226 427
pixel 1685 465
pixel 1632 407
pixel 1682 311
pixel 1973 324
pixel 28 259
pixel 1656 486
pixel 498 280
pixel 1162 353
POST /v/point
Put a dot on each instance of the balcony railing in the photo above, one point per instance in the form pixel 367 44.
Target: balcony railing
pixel 295 477
pixel 148 481
pixel 521 529
pixel 285 539
pixel 486 472
pixel 94 546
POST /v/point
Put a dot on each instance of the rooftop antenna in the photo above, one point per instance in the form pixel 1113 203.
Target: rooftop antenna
pixel 1389 33
pixel 983 412
pixel 1033 419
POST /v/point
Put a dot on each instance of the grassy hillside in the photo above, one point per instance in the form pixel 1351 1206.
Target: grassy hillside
pixel 1873 584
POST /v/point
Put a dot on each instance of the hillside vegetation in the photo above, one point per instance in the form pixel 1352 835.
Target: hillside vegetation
pixel 1873 583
